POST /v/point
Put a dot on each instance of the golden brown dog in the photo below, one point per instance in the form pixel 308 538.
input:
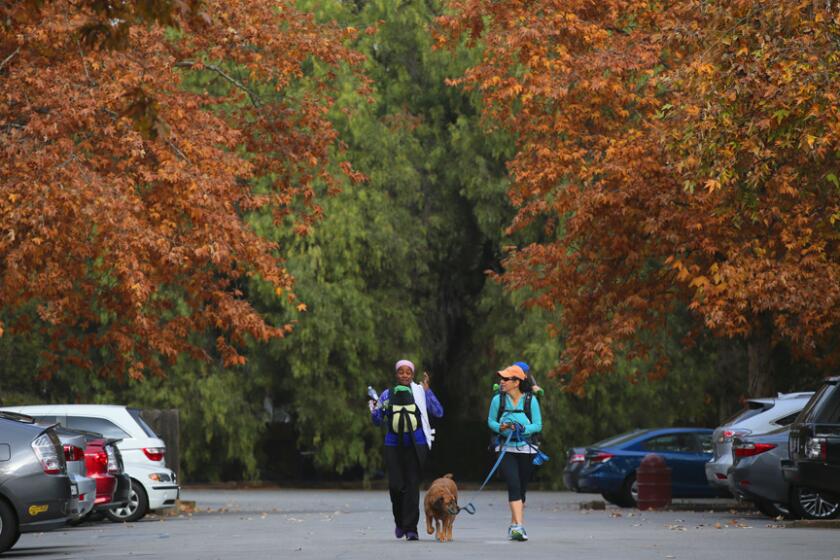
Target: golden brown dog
pixel 441 504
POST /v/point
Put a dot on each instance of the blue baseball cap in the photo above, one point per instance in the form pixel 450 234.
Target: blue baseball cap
pixel 522 365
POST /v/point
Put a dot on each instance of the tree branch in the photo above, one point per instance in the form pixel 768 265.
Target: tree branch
pixel 8 58
pixel 178 151
pixel 255 100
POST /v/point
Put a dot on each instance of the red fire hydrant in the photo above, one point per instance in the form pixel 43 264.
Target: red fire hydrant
pixel 653 478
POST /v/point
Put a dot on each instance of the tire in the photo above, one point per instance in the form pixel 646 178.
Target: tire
pixel 611 498
pixel 9 530
pixel 629 493
pixel 814 504
pixel 774 510
pixel 136 509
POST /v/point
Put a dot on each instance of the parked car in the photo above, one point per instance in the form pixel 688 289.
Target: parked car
pixel 611 469
pixel 74 444
pixel 813 469
pixel 756 475
pixel 35 491
pixel 759 416
pixel 101 465
pixel 153 486
pixel 122 493
pixel 576 457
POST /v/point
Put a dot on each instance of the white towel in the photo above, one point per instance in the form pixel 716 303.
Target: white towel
pixel 420 400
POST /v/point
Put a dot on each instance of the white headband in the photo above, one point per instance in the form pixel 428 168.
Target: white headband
pixel 402 363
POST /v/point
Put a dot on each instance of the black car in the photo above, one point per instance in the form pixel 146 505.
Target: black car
pixel 35 490
pixel 815 445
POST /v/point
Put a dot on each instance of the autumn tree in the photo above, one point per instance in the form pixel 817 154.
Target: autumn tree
pixel 678 155
pixel 123 193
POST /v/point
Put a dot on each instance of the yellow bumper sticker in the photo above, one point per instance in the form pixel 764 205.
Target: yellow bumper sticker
pixel 35 510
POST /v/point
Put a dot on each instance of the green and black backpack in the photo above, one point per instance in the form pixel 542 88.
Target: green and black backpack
pixel 404 414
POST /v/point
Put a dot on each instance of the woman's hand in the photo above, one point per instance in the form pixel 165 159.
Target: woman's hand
pixel 506 427
pixel 425 381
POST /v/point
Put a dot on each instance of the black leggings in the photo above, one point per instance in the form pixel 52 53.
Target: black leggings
pixel 516 469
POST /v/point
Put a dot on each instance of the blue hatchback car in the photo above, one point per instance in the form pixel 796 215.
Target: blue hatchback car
pixel 611 470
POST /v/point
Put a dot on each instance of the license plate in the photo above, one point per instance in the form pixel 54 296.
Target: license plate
pixel 74 490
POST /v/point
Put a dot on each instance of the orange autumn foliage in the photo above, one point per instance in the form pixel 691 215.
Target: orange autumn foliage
pixel 123 195
pixel 676 155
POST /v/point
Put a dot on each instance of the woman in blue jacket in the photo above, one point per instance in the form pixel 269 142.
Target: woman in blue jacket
pixel 518 416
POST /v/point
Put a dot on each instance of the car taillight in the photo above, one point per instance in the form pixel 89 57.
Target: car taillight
pixel 817 448
pixel 600 457
pixel 577 458
pixel 113 464
pixel 750 449
pixel 155 453
pixel 47 451
pixel 728 435
pixel 73 453
pixel 101 461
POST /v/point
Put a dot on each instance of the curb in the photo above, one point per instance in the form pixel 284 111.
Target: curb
pixel 813 524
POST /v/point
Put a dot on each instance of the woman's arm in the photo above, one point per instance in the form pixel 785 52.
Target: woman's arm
pixel 535 426
pixel 433 405
pixel 378 413
pixel 492 423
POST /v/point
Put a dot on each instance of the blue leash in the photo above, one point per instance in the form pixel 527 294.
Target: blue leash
pixel 470 508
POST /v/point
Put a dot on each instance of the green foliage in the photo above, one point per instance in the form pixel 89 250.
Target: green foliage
pixel 391 269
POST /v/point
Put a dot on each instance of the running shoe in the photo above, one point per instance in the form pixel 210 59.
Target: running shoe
pixel 398 532
pixel 517 533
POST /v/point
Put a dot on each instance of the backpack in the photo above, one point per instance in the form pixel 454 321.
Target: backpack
pixel 404 412
pixel 526 408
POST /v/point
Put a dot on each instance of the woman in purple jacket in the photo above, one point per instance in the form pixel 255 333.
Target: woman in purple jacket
pixel 405 410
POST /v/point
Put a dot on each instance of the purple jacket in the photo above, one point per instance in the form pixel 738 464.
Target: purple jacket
pixel 379 414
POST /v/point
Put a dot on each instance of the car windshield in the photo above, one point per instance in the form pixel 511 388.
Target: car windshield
pixel 829 406
pixel 135 413
pixel 618 440
pixel 753 409
pixel 808 413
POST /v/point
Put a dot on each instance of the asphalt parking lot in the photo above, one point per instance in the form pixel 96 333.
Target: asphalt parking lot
pixel 256 524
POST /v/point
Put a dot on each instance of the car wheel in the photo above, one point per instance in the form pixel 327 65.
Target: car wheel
pixel 9 533
pixel 774 510
pixel 136 508
pixel 628 496
pixel 813 504
pixel 611 498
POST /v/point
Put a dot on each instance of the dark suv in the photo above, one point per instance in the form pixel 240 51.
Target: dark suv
pixel 35 491
pixel 815 445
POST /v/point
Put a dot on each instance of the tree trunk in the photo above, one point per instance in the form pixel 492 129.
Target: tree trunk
pixel 759 362
pixel 730 364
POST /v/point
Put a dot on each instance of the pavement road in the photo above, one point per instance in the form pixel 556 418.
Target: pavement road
pixel 321 524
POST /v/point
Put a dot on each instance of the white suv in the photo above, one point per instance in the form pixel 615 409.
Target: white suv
pixel 758 417
pixel 153 486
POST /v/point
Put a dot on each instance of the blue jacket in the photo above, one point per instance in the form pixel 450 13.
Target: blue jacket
pixel 531 427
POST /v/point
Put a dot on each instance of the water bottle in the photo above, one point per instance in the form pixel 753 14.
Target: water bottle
pixel 371 392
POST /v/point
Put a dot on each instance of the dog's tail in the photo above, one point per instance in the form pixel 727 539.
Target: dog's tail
pixel 448 475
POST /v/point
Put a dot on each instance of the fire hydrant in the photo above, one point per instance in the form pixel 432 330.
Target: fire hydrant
pixel 653 478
